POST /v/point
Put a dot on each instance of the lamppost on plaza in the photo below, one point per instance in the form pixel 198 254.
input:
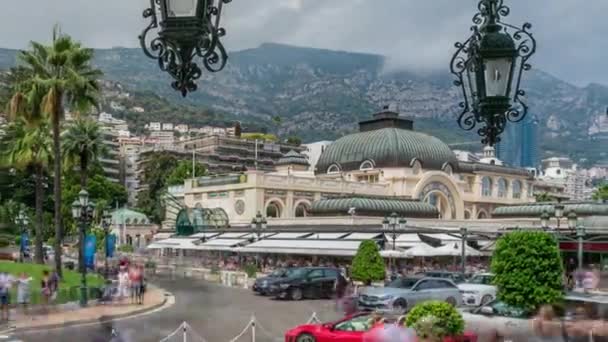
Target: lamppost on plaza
pixel 464 235
pixel 488 67
pixel 390 223
pixel 22 222
pixel 258 224
pixel 83 212
pixel 186 29
pixel 105 223
pixel 545 217
pixel 580 236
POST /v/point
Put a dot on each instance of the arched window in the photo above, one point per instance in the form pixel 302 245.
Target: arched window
pixel 467 215
pixel 333 169
pixel 366 165
pixel 128 221
pixel 516 188
pixel 482 215
pixel 273 210
pixel 302 210
pixel 502 188
pixel 486 187
pixel 530 190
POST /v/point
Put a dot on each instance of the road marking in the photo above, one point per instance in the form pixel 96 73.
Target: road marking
pixel 170 302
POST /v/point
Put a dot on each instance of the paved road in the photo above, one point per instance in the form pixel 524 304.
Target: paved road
pixel 216 313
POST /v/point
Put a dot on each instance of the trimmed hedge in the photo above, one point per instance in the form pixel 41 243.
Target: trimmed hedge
pixel 435 319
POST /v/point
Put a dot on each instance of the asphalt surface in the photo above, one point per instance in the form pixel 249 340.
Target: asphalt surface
pixel 215 313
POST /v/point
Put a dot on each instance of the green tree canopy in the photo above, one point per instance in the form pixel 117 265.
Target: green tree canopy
pixel 601 193
pixel 83 145
pixel 155 178
pixel 183 171
pixel 259 136
pixel 368 265
pixel 528 269
pixel 294 140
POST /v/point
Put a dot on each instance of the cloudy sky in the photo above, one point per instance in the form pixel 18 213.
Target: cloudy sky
pixel 571 34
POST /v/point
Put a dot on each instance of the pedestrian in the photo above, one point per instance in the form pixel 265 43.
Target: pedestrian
pixel 5 286
pixel 54 285
pixel 123 284
pixel 45 288
pixel 142 285
pixel 23 291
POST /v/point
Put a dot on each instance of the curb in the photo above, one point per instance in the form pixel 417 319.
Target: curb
pixel 100 320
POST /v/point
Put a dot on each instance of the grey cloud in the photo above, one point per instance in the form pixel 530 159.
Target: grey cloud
pixel 412 33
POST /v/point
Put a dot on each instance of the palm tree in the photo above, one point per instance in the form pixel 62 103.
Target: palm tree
pixel 28 145
pixel 61 75
pixel 82 146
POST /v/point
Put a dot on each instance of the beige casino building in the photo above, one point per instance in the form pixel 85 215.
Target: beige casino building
pixel 385 167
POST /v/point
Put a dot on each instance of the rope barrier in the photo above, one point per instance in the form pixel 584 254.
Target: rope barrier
pixel 186 329
pixel 244 331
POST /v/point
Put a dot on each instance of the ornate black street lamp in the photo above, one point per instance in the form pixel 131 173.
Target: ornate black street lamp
pixel 390 224
pixel 83 212
pixel 488 68
pixel 186 29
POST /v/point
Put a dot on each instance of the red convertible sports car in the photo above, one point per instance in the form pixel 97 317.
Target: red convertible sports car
pixel 354 328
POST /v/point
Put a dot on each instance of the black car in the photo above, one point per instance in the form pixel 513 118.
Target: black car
pixel 262 284
pixel 307 282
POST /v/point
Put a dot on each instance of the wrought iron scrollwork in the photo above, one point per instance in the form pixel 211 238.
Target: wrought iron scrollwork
pixel 471 115
pixel 178 59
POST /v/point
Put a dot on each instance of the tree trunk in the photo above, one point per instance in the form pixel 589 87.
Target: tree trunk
pixel 39 219
pixel 83 185
pixel 56 117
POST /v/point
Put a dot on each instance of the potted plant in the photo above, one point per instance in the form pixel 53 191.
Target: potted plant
pixel 434 321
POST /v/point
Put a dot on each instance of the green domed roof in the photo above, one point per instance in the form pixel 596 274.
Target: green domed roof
pixel 387 147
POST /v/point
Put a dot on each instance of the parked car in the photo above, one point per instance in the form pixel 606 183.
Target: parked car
pixel 306 282
pixel 478 290
pixel 262 284
pixel 497 319
pixel 456 277
pixel 402 294
pixel 354 328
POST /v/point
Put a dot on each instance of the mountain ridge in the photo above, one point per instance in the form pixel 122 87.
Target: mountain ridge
pixel 322 94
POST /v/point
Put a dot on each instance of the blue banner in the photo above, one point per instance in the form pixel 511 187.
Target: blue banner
pixel 25 241
pixel 90 245
pixel 110 245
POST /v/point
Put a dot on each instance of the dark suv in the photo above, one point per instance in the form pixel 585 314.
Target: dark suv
pixel 306 282
pixel 263 284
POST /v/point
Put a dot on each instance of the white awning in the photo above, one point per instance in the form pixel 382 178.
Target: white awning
pixel 362 236
pixel 224 242
pixel 289 235
pixel 174 243
pixel 327 236
pixel 232 235
pixel 443 238
pixel 405 240
pixel 205 235
pixel 394 254
pixel 303 247
pixel 162 236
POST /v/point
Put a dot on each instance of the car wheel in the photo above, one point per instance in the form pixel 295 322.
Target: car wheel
pixel 400 305
pixel 485 300
pixel 295 294
pixel 451 301
pixel 306 338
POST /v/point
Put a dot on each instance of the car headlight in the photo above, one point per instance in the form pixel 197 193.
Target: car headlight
pixel 386 297
pixel 283 286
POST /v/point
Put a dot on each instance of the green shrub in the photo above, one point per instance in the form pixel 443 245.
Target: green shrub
pixel 4 242
pixel 18 240
pixel 528 269
pixel 435 319
pixel 368 265
pixel 251 270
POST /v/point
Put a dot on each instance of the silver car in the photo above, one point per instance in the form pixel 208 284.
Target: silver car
pixel 402 294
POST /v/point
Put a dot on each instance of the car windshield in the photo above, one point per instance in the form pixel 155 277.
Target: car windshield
pixel 504 310
pixel 357 324
pixel 279 273
pixel 402 283
pixel 481 279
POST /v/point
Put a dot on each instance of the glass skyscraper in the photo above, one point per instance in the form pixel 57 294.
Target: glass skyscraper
pixel 519 143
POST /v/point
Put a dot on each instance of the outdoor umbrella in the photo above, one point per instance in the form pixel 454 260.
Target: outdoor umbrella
pixel 455 249
pixel 421 250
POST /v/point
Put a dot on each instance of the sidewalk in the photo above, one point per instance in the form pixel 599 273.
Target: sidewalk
pixel 73 314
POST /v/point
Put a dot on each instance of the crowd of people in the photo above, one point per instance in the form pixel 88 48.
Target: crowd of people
pixel 49 286
pixel 130 283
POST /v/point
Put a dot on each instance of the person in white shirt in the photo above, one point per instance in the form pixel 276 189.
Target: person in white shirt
pixel 123 284
pixel 6 281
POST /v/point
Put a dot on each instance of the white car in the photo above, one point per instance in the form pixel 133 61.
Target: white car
pixel 478 290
